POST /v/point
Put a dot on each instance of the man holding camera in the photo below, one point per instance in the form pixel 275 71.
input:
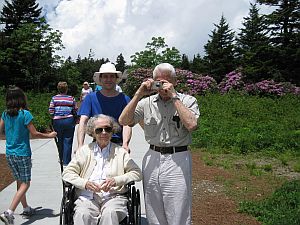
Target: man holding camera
pixel 169 118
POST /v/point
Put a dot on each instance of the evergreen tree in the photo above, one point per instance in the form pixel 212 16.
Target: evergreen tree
pixel 20 12
pixel 86 67
pixel 185 64
pixel 28 49
pixel 198 65
pixel 284 24
pixel 253 47
pixel 120 63
pixel 220 51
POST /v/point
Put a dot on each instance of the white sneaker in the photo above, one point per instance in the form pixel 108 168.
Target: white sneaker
pixel 6 218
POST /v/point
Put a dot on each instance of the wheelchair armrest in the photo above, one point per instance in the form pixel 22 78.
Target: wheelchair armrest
pixel 130 183
pixel 67 184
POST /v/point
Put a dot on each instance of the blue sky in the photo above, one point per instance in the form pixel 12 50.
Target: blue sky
pixel 111 27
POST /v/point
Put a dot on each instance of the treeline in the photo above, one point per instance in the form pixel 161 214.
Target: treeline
pixel 266 47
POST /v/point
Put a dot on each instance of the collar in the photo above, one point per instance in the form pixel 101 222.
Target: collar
pixel 104 151
pixel 156 98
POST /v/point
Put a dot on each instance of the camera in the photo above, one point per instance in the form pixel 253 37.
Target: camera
pixel 157 85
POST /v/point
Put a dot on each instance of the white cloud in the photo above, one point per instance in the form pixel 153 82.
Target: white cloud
pixel 111 27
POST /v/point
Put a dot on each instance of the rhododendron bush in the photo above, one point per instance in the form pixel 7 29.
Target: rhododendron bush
pixel 198 84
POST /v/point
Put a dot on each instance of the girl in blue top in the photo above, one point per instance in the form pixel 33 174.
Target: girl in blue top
pixel 16 120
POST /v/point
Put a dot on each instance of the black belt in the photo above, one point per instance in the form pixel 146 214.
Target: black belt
pixel 168 150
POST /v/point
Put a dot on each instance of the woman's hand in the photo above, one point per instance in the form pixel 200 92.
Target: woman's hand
pixel 92 186
pixel 108 184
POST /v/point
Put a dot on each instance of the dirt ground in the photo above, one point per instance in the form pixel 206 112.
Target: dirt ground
pixel 211 206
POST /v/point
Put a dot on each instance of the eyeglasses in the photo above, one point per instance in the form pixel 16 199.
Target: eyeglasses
pixel 99 130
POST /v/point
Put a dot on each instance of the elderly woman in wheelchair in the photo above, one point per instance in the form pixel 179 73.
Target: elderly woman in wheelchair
pixel 100 171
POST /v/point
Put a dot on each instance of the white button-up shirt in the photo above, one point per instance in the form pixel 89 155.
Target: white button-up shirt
pixel 99 173
pixel 161 126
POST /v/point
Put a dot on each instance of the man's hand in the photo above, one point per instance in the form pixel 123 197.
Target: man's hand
pixel 168 88
pixel 145 88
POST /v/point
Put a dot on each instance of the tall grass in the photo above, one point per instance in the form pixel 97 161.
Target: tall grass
pixel 228 123
pixel 243 124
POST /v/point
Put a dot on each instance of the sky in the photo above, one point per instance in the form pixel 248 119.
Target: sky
pixel 111 27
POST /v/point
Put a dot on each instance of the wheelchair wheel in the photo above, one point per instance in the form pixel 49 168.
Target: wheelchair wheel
pixel 131 212
pixel 137 206
pixel 67 206
pixel 63 214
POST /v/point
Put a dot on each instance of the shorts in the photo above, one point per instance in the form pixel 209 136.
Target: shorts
pixel 20 166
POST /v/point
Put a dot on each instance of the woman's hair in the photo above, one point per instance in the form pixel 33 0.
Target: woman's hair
pixel 91 124
pixel 15 100
pixel 62 87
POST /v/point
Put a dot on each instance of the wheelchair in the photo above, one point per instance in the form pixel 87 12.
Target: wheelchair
pixel 133 205
pixel 68 200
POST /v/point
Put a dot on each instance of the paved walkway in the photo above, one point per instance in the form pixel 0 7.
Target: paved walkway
pixel 45 191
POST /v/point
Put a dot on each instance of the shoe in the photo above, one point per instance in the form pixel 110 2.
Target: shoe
pixel 28 213
pixel 6 218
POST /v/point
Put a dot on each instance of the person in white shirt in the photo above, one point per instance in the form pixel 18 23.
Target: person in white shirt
pixel 100 172
pixel 168 118
pixel 118 88
pixel 86 89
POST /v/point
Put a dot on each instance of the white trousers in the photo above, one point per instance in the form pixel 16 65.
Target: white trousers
pixel 167 181
pixel 112 211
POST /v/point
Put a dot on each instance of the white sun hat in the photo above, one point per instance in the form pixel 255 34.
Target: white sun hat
pixel 107 68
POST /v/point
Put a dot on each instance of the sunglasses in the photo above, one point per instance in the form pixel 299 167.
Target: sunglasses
pixel 99 130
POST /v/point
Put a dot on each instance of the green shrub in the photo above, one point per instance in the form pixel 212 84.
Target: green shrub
pixel 282 208
pixel 244 124
pixel 38 105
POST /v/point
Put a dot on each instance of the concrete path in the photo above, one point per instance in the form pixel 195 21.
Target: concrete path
pixel 45 191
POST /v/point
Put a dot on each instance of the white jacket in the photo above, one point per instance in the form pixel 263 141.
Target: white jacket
pixel 122 168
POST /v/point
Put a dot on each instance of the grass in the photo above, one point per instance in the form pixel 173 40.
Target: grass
pixel 281 208
pixel 251 137
pixel 253 184
pixel 244 124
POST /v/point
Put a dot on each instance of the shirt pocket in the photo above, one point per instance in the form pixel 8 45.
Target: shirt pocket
pixel 151 127
pixel 174 131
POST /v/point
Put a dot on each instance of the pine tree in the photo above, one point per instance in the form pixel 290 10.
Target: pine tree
pixel 20 12
pixel 198 65
pixel 120 63
pixel 220 50
pixel 28 52
pixel 284 24
pixel 253 47
pixel 185 64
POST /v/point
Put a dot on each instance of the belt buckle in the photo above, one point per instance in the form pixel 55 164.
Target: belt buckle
pixel 167 150
pixel 163 150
